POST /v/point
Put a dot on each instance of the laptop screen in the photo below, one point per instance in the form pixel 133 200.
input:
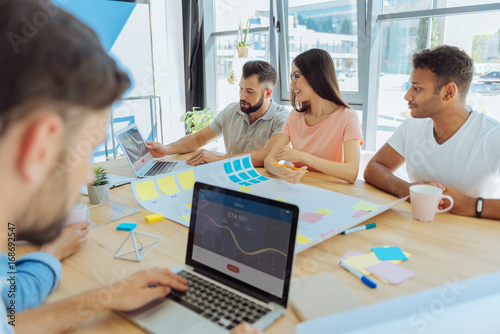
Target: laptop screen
pixel 134 147
pixel 246 237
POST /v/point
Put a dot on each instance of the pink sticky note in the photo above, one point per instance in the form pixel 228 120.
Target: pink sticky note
pixel 350 253
pixel 358 214
pixel 391 272
pixel 310 217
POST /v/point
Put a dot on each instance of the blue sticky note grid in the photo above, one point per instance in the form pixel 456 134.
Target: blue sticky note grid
pixel 253 173
pixel 228 168
pixel 244 176
pixel 126 226
pixel 237 165
pixel 389 253
pixel 246 163
pixel 234 178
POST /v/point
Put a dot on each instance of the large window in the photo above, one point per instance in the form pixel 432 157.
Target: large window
pixel 478 34
pixel 370 41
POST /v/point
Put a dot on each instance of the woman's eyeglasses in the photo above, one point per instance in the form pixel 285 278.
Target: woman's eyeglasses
pixel 295 76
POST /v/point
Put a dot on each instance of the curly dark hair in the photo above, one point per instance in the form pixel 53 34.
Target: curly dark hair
pixel 449 64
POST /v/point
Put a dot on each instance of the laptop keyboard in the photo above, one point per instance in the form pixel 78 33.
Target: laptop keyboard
pixel 161 167
pixel 217 304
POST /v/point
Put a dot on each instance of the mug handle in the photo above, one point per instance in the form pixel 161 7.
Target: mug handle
pixel 449 207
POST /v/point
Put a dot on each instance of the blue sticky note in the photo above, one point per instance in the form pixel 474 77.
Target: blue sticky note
pixel 244 176
pixel 253 173
pixel 262 178
pixel 389 253
pixel 228 168
pixel 234 178
pixel 126 226
pixel 246 163
pixel 254 181
pixel 245 184
pixel 237 165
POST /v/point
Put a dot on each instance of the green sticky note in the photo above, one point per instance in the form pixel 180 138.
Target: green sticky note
pixel 362 206
pixel 323 212
pixel 186 218
pixel 245 189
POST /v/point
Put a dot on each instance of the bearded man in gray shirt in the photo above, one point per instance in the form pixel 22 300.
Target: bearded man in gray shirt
pixel 248 126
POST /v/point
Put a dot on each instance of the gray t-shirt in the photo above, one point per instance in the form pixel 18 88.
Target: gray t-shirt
pixel 239 135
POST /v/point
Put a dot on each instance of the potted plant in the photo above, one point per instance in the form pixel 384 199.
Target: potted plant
pixel 232 78
pixel 99 189
pixel 241 43
pixel 196 119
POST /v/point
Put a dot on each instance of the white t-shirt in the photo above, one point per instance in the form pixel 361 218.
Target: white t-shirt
pixel 469 160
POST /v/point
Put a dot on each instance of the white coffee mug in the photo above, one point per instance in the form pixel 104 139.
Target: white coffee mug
pixel 77 214
pixel 425 201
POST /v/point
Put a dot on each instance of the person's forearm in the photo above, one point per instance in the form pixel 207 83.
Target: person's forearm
pixel 273 169
pixel 186 144
pixel 344 171
pixel 491 209
pixel 64 315
pixel 381 177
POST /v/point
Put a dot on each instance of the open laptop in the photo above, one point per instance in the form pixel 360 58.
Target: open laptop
pixel 140 158
pixel 238 264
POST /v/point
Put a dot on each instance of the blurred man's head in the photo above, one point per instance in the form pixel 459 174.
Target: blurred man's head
pixel 257 84
pixel 57 84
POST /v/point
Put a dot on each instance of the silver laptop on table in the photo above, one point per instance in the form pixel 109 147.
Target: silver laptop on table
pixel 238 265
pixel 140 158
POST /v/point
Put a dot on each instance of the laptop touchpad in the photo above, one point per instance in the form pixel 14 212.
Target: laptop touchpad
pixel 173 318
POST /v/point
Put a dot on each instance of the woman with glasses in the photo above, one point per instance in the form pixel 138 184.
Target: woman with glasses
pixel 323 130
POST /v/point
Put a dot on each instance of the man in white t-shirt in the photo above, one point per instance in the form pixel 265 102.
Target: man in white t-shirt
pixel 445 142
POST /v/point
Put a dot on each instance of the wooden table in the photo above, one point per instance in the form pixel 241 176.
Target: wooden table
pixel 450 248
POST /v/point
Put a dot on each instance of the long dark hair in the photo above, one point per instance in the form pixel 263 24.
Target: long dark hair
pixel 317 67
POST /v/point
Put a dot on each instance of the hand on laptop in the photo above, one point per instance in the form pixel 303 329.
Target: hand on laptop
pixel 68 241
pixel 157 150
pixel 245 328
pixel 202 156
pixel 136 291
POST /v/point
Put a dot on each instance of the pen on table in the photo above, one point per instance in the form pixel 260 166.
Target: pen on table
pixel 369 283
pixel 360 228
pixel 277 164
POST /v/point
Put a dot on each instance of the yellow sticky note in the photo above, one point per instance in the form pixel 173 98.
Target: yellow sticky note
pixel 360 262
pixel 365 207
pixel 154 217
pixel 187 179
pixel 302 240
pixel 186 218
pixel 245 189
pixel 381 279
pixel 189 204
pixel 167 185
pixel 324 212
pixel 146 190
pixel 281 199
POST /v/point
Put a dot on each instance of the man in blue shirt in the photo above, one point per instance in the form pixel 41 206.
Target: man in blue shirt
pixel 57 85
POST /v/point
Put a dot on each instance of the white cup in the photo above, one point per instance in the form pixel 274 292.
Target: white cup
pixel 77 214
pixel 425 201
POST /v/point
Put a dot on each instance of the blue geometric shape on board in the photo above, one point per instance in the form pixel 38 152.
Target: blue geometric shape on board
pixel 262 178
pixel 234 178
pixel 254 181
pixel 253 173
pixel 244 176
pixel 106 18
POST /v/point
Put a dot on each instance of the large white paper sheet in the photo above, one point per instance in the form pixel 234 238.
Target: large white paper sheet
pixel 323 213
